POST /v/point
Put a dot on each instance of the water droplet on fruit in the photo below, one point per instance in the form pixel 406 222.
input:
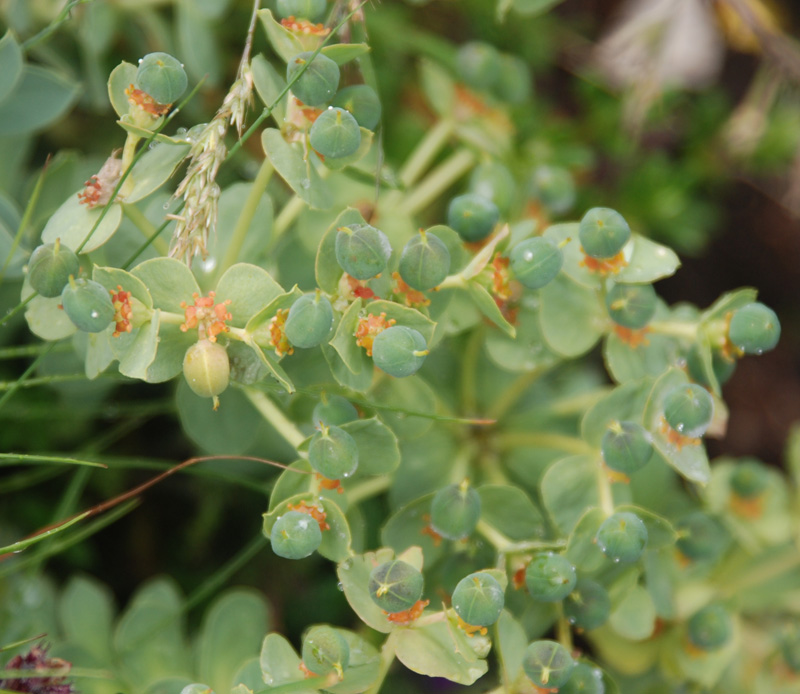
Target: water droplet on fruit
pixel 94 314
pixel 527 255
pixel 340 587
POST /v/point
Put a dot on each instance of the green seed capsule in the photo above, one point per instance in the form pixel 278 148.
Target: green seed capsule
pixel 513 84
pixel 493 181
pixel 555 187
pixel 311 10
pixel 334 410
pixel 362 251
pixel 395 586
pixel 588 605
pixel 749 478
pixel 424 262
pixel 455 511
pixel 701 536
pixel 603 232
pixel 206 368
pixel 550 577
pixel 626 447
pixel 689 410
pixel 472 216
pixel 622 537
pixel 710 628
pixel 325 651
pixel 87 304
pixel 632 305
pixel 399 351
pixel 49 268
pixel 478 64
pixel 584 679
pixel 754 328
pixel 547 664
pixel 536 262
pixel 162 77
pixel 478 599
pixel 335 134
pixel 309 321
pixel 722 366
pixel 295 535
pixel 317 85
pixel 790 649
pixel 362 102
pixel 333 453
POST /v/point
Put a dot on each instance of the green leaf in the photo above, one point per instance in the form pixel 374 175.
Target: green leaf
pixel 397 398
pixel 624 402
pixel 342 53
pixel 528 351
pixel 582 549
pixel 439 650
pixel 73 222
pixel 299 174
pixel 727 303
pixel 274 368
pixel 572 316
pixel 651 358
pixel 86 611
pixel 280 663
pixel 364 665
pixel 283 41
pixel 198 46
pixel 660 532
pixel 38 98
pixel 292 482
pixel 510 642
pixel 566 236
pixel 269 85
pixel 378 450
pixel 172 346
pixel 45 319
pixel 403 315
pixel 344 342
pixel 10 64
pixel 154 169
pixel 258 323
pixel 141 350
pixel 569 487
pixel 250 289
pixel 649 261
pixel 353 574
pixel 509 510
pixel 438 86
pixel 119 80
pixel 170 282
pixel 660 570
pixel 112 277
pixel 484 301
pixel 406 528
pixel 335 541
pixel 326 267
pixel 635 617
pixel 232 628
pixel 98 353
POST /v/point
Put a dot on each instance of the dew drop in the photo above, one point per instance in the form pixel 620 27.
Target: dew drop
pixel 340 587
pixel 209 264
pixel 94 314
pixel 140 60
pixel 680 427
pixel 616 560
pixel 166 205
pixel 527 256
pixel 759 352
pixel 571 620
pixel 305 183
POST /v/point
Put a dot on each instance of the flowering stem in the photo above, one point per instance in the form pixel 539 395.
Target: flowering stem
pixel 144 225
pixel 604 490
pixel 674 328
pixel 368 488
pixel 14 311
pixel 540 439
pixel 275 417
pixel 128 154
pixel 438 180
pixel 257 189
pixel 513 393
pixel 425 151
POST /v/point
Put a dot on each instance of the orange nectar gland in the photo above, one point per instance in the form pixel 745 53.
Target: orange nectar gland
pixel 121 301
pixel 369 328
pixel 325 483
pixel 144 101
pixel 428 530
pixel 411 297
pixel 518 579
pixel 470 629
pixel 607 266
pixel 632 338
pixel 358 288
pixel 315 512
pixel 209 318
pixel 747 508
pixel 303 26
pixel 277 333
pixel 675 437
pixel 412 614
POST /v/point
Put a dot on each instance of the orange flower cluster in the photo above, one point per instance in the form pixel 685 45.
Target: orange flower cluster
pixel 369 328
pixel 675 437
pixel 209 318
pixel 277 335
pixel 605 267
pixel 121 300
pixel 411 297
pixel 408 616
pixel 146 102
pixel 632 338
pixel 303 26
pixel 316 513
pixel 470 629
pixel 358 288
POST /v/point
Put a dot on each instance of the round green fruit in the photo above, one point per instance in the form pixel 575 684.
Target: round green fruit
pixel 325 651
pixel 333 453
pixel 689 410
pixel 424 262
pixel 455 511
pixel 749 478
pixel 87 304
pixel 626 447
pixel 632 305
pixel 710 628
pixel 622 537
pixel 513 84
pixel 547 664
pixel 49 268
pixel 584 679
pixel 536 262
pixel 754 328
pixel 493 181
pixel 472 216
pixel 334 409
pixel 362 251
pixel 362 102
pixel 162 77
pixel 478 64
pixel 295 535
pixel 550 577
pixel 309 321
pixel 317 85
pixel 603 233
pixel 722 366
pixel 588 605
pixel 555 188
pixel 311 10
pixel 399 351
pixel 206 368
pixel 395 586
pixel 701 536
pixel 335 134
pixel 478 599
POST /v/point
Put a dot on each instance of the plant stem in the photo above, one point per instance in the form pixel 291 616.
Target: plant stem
pixel 22 351
pixel 387 658
pixel 674 328
pixel 257 189
pixel 604 491
pixel 425 151
pixel 273 414
pixel 438 180
pixel 762 572
pixel 368 488
pixel 13 386
pixel 144 225
pixel 539 439
pixel 469 373
pixel 563 629
pixel 14 311
pixel 513 393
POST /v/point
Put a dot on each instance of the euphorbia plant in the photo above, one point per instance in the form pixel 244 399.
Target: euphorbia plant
pixel 419 331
